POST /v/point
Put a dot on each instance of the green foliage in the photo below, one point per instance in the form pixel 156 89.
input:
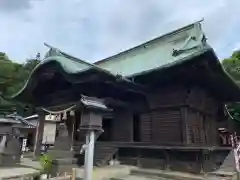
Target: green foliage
pixel 232 66
pixel 46 163
pixel 12 77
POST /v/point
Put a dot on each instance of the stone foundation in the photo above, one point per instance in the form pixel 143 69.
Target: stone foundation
pixel 195 162
pixel 10 151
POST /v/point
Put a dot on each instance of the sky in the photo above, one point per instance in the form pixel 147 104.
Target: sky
pixel 94 29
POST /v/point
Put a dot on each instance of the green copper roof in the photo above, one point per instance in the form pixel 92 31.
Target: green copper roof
pixel 66 65
pixel 70 67
pixel 173 48
pixel 161 51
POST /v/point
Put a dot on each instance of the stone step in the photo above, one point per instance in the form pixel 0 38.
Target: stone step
pixel 61 169
pixel 78 148
pixel 60 153
pixel 222 174
pixel 171 175
pixel 228 163
pixel 103 155
pixel 62 146
pixel 28 155
pixel 134 177
pixel 65 161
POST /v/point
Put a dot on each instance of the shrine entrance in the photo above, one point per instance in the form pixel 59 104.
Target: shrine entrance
pixel 107 124
pixel 136 128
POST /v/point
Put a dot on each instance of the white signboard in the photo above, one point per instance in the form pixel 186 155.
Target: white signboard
pixel 50 117
pixel 24 144
pixel 49 133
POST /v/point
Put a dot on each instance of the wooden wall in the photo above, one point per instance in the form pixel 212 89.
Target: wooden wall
pixel 166 126
pixel 197 98
pixel 162 122
pixel 161 126
pixel 177 115
pixel 5 128
pixel 122 126
pixel 173 96
pixel 202 116
pixel 195 127
pixel 146 127
pixel 180 115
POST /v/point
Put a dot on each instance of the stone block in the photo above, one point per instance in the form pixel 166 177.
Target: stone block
pixel 152 163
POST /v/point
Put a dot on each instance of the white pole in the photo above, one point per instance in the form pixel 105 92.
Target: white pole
pixel 85 156
pixel 89 153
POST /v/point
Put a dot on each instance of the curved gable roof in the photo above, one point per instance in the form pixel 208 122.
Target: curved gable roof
pixel 166 51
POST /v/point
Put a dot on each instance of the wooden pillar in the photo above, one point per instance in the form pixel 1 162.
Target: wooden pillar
pixel 184 121
pixel 214 131
pixel 202 161
pixel 73 129
pixel 123 126
pixel 39 134
pixel 167 160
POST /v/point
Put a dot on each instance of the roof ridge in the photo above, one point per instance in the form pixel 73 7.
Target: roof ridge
pixel 16 117
pixel 92 65
pixel 61 53
pixel 66 55
pixel 176 31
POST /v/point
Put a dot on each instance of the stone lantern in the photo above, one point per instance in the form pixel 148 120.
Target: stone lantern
pixel 92 111
pixel 91 124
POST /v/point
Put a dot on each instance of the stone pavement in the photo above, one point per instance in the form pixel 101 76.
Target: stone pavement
pixel 121 172
pixel 151 174
pixel 228 164
pixel 27 167
pixel 107 172
pixel 30 168
pixel 28 162
pixel 114 172
pixel 15 172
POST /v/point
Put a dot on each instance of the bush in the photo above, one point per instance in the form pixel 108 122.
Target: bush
pixel 46 163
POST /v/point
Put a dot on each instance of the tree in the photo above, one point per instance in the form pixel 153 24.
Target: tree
pixel 12 78
pixel 11 74
pixel 232 66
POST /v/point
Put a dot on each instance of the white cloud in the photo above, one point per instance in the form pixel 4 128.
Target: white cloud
pixel 94 29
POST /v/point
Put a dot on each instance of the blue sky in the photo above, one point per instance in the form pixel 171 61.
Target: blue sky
pixel 95 29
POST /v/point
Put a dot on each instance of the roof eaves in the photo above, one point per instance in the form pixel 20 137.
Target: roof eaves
pixel 206 48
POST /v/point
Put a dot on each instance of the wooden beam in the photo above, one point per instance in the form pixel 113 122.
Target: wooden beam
pixel 184 123
pixel 39 134
pixel 73 93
